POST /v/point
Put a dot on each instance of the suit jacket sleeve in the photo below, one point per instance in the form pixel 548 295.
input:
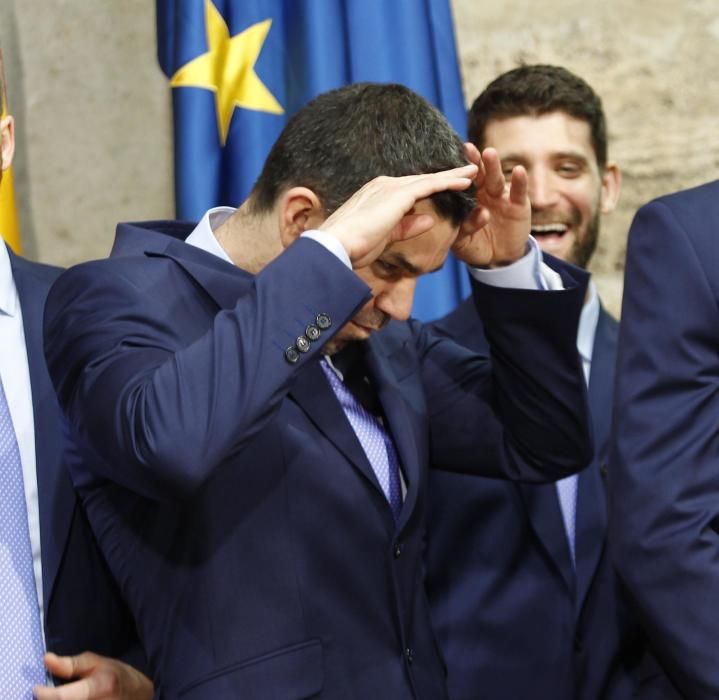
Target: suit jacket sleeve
pixel 664 468
pixel 524 414
pixel 149 387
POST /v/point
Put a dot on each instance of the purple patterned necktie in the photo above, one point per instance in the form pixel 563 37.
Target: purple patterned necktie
pixel 374 439
pixel 21 646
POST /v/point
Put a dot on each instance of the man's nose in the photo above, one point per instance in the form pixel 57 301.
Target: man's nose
pixel 396 299
pixel 543 193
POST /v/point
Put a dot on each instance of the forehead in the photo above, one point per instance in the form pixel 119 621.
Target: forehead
pixel 534 136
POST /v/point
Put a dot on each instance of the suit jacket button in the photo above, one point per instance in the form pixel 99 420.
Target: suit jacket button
pixel 291 354
pixel 323 321
pixel 409 655
pixel 397 550
pixel 303 345
pixel 603 469
pixel 312 332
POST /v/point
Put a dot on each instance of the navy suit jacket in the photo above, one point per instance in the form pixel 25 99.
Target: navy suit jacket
pixel 512 617
pixel 232 499
pixel 664 488
pixel 83 609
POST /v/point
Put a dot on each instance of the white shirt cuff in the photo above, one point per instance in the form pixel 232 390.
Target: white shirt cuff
pixel 330 242
pixel 529 272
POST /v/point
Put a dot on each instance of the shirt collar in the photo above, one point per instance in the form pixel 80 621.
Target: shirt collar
pixel 588 324
pixel 203 236
pixel 9 302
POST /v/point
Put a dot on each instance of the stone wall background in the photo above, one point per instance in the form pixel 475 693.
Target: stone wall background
pixel 654 63
pixel 94 142
pixel 93 122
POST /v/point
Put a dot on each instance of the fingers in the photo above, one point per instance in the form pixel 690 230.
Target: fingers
pixel 100 686
pixel 71 666
pixel 474 156
pixel 479 219
pixel 80 690
pixel 98 678
pixel 423 186
pixel 519 188
pixel 494 181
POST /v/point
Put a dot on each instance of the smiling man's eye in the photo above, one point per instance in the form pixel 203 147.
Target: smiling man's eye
pixel 569 169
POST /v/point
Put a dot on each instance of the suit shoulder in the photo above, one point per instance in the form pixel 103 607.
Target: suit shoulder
pixel 135 270
pixel 690 215
pixel 705 194
pixel 40 271
pixel 690 204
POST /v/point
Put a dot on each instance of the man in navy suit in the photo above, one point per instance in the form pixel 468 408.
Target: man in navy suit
pixel 664 483
pixel 523 595
pixel 68 594
pixel 258 417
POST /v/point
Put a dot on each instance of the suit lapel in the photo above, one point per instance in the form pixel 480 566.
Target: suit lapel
pixel 387 367
pixel 591 494
pixel 56 498
pixel 313 393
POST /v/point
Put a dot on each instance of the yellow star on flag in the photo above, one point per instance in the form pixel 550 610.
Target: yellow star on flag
pixel 228 69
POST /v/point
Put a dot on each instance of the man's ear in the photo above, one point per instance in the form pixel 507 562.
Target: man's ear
pixel 7 144
pixel 300 210
pixel 611 185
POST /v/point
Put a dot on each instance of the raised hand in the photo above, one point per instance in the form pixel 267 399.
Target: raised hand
pixel 496 232
pixel 377 214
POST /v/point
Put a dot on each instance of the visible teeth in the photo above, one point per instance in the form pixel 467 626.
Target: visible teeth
pixel 549 228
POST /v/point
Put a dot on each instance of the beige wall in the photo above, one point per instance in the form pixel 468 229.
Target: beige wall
pixel 94 136
pixel 94 122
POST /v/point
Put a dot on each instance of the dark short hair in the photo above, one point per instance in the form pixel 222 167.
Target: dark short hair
pixel 346 137
pixel 534 91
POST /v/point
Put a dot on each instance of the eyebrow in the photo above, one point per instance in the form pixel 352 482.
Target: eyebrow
pixel 401 261
pixel 556 155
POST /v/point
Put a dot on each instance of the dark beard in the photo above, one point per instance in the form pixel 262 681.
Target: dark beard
pixel 582 250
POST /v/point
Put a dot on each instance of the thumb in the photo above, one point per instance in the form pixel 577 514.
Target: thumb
pixel 412 225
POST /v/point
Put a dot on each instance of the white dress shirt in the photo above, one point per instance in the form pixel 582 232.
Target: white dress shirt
pixel 15 375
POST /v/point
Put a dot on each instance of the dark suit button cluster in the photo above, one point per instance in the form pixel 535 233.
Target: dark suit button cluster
pixel 409 655
pixel 303 343
pixel 397 550
pixel 292 354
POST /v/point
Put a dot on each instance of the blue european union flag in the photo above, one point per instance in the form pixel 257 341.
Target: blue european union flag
pixel 240 68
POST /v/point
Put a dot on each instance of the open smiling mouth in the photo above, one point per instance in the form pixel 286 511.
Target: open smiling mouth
pixel 548 231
